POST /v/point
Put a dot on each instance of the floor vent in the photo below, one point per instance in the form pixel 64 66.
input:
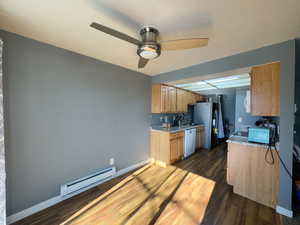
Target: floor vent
pixel 86 181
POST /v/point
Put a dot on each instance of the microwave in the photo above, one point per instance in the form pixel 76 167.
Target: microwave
pixel 259 135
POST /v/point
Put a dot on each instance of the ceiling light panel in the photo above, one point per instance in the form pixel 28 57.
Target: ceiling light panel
pixel 218 83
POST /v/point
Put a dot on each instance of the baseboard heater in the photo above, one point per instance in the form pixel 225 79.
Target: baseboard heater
pixel 86 181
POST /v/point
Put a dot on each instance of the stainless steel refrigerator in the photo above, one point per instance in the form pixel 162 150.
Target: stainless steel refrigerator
pixel 203 114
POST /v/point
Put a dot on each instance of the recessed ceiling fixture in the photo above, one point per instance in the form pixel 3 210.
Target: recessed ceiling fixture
pixel 149 47
pixel 218 83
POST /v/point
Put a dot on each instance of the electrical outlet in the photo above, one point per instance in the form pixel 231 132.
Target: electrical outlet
pixel 111 161
pixel 240 119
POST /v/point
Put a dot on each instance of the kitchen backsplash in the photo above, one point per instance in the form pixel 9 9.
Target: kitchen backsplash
pixel 243 119
pixel 156 117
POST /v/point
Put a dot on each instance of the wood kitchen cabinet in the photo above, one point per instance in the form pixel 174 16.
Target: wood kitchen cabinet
pixel 191 99
pixel 199 137
pixel 166 148
pixel 168 99
pixel 172 100
pixel 199 98
pixel 163 99
pixel 176 146
pixel 182 104
pixel 250 175
pixel 265 90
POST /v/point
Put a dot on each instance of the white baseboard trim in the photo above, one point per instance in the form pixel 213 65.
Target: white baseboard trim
pixel 52 201
pixel 284 211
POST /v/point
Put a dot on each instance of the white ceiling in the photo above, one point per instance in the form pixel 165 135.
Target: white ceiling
pixel 233 26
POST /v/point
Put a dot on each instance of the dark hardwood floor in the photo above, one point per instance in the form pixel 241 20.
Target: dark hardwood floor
pixel 193 191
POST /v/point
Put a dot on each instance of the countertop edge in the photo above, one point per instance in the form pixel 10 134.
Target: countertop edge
pixel 177 130
pixel 250 144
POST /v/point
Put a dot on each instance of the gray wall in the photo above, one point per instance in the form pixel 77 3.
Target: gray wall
pixel 66 115
pixel 228 100
pixel 283 52
pixel 240 111
pixel 297 93
pixel 2 155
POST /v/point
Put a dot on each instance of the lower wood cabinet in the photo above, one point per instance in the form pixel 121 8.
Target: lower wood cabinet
pixel 176 146
pixel 199 137
pixel 250 175
pixel 166 148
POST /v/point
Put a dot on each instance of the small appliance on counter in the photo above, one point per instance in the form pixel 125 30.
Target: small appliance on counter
pixel 259 135
pixel 266 132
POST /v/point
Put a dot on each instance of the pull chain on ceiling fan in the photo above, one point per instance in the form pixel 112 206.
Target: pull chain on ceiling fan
pixel 149 47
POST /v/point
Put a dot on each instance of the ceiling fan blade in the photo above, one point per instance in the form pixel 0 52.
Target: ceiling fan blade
pixel 142 62
pixel 184 44
pixel 115 33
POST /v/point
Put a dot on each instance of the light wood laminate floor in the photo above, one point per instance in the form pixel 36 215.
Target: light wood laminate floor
pixel 193 191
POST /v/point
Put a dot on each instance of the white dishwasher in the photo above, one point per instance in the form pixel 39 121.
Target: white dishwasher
pixel 189 142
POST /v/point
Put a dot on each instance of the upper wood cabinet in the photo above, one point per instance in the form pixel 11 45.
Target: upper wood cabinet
pixel 182 104
pixel 172 100
pixel 265 90
pixel 168 99
pixel 163 99
pixel 190 97
pixel 181 107
pixel 199 98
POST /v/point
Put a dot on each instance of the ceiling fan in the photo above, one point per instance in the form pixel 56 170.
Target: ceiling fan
pixel 149 48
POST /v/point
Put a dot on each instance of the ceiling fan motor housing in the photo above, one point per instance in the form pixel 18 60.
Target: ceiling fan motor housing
pixel 149 49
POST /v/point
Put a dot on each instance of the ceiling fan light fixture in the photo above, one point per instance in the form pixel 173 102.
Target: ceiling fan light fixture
pixel 149 47
pixel 149 51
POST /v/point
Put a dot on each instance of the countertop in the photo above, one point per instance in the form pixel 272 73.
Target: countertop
pixel 244 140
pixel 174 129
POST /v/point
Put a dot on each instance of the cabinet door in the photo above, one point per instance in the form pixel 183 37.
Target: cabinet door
pixel 156 98
pixel 195 98
pixel 180 147
pixel 164 99
pixel 181 101
pixel 172 99
pixel 191 99
pixel 176 146
pixel 185 99
pixel 173 150
pixel 199 98
pixel 168 99
pixel 265 90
